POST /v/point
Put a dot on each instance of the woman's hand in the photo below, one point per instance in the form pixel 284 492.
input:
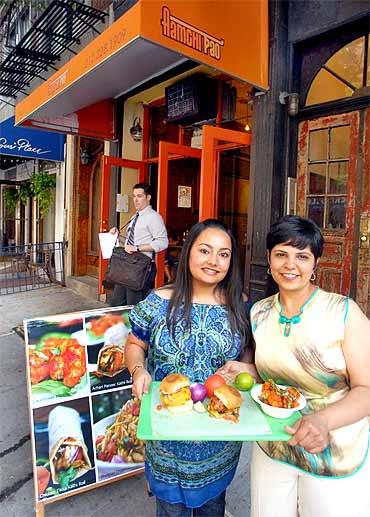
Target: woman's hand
pixel 232 368
pixel 310 432
pixel 141 382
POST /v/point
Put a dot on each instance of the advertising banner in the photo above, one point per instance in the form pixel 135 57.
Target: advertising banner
pixel 82 413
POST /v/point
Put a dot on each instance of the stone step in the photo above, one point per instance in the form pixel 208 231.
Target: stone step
pixel 84 285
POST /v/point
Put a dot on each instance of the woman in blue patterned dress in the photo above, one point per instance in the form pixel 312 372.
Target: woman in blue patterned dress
pixel 192 328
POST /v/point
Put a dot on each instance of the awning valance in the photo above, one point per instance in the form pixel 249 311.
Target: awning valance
pixel 153 36
pixel 30 143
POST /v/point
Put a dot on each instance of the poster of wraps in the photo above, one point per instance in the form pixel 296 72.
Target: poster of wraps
pixel 82 412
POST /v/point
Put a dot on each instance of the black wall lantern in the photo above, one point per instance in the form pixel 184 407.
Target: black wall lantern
pixel 136 130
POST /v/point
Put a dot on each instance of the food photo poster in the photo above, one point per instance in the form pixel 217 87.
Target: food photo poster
pixel 82 413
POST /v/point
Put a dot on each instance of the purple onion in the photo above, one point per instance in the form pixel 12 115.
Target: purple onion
pixel 73 452
pixel 198 392
pixel 117 459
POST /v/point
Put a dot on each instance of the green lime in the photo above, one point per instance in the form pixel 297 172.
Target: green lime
pixel 244 381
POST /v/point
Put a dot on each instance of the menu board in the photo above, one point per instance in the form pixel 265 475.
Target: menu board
pixel 82 413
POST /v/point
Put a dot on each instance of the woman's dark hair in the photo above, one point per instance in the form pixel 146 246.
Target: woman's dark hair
pixel 230 287
pixel 298 232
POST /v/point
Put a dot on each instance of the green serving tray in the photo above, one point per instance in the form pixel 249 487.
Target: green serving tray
pixel 254 425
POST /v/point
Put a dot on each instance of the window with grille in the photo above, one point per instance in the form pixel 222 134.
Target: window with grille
pixel 328 162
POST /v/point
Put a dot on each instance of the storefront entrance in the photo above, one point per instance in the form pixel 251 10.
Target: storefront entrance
pixel 191 185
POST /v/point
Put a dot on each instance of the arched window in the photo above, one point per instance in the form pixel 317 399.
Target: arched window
pixel 345 74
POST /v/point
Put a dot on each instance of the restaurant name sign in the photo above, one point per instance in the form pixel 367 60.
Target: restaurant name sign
pixel 22 144
pixel 29 143
pixel 190 36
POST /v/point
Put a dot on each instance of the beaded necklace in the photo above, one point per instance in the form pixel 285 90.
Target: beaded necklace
pixel 288 322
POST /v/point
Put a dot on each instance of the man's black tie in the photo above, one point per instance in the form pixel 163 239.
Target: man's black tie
pixel 131 230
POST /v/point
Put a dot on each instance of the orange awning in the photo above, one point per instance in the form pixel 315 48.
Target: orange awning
pixel 154 36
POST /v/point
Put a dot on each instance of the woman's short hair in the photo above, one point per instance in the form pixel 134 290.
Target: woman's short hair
pixel 298 232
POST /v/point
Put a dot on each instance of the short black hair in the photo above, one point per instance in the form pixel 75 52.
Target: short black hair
pixel 145 186
pixel 298 232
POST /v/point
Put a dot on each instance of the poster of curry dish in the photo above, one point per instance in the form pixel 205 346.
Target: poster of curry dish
pixel 107 334
pixel 117 447
pixel 56 356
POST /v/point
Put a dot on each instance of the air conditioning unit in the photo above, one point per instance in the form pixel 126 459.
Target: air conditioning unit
pixel 191 100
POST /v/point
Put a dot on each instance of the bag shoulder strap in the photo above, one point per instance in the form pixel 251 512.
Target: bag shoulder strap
pixel 124 226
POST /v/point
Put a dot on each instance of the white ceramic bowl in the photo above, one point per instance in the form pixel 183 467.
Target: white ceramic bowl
pixel 275 412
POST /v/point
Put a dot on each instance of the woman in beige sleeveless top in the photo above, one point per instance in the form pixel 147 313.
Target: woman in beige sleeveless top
pixel 318 342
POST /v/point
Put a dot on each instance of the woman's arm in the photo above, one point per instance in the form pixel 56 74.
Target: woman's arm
pixel 246 364
pixel 312 431
pixel 135 350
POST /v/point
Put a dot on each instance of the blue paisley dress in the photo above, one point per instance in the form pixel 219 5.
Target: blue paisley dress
pixel 191 473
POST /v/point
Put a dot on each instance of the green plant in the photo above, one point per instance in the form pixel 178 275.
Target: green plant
pixel 25 192
pixel 11 198
pixel 43 185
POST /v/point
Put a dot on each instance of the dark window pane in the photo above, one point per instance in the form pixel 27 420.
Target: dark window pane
pixel 317 174
pixel 318 145
pixel 339 142
pixel 338 176
pixel 315 210
pixel 336 216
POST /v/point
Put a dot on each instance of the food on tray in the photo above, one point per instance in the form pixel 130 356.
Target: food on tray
pixel 212 382
pixel 225 403
pixel 119 444
pixel 111 360
pixel 244 381
pixel 99 325
pixel 58 359
pixel 279 396
pixel 175 393
pixel 198 392
pixel 68 454
pixel 199 408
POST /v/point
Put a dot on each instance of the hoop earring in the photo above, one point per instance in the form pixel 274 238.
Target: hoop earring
pixel 268 271
pixel 313 276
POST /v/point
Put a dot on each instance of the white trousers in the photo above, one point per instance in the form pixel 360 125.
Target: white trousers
pixel 279 490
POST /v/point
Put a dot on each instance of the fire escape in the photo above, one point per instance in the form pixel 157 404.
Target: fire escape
pixel 28 54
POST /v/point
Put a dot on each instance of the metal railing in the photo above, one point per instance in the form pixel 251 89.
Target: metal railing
pixel 31 266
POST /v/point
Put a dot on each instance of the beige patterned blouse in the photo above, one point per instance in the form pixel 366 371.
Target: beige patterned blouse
pixel 308 354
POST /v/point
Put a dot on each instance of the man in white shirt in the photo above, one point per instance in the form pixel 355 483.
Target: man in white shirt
pixel 147 234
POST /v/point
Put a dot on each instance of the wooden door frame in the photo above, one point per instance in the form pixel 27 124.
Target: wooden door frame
pixel 108 162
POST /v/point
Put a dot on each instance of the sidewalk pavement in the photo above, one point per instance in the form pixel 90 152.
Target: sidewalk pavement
pixel 123 498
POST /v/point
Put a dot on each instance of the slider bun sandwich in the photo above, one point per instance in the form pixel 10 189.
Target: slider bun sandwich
pixel 175 393
pixel 225 403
